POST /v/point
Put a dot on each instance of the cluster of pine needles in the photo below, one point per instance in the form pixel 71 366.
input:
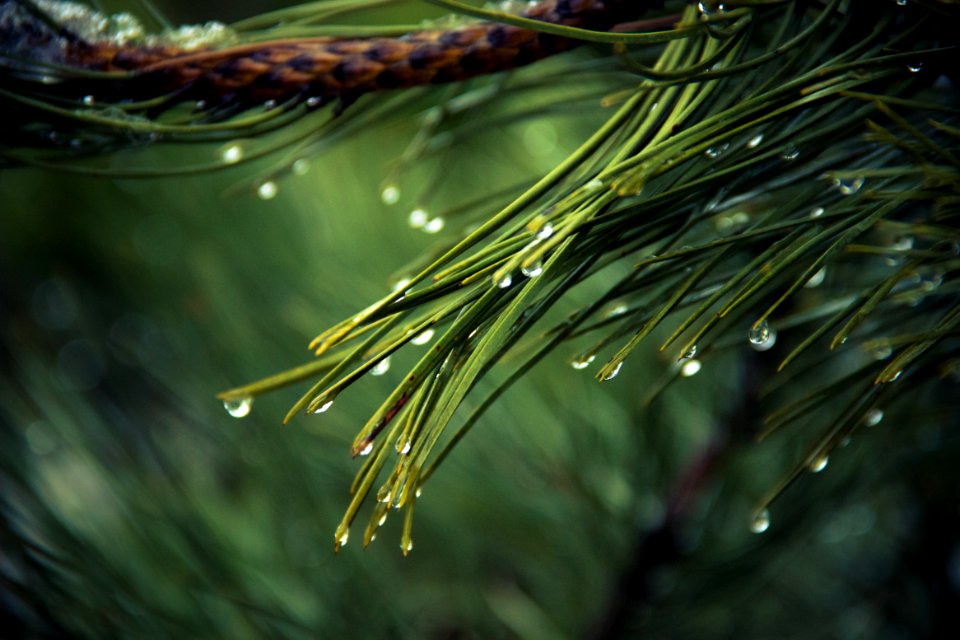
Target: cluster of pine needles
pixel 780 176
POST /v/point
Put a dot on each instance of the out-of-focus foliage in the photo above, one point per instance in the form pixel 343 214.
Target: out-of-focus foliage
pixel 134 506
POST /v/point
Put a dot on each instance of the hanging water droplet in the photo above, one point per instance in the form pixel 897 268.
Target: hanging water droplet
pixel 418 218
pixel 895 376
pixel 848 186
pixel 873 417
pixel 689 353
pixel 268 190
pixel 583 360
pixel 418 492
pixel 767 343
pixel 383 518
pixel 755 141
pixel 615 309
pixel 931 281
pixel 384 494
pixel 404 448
pixel 238 407
pixel 342 535
pixel 324 407
pixel 760 522
pixel 232 153
pixel 300 167
pixel 690 368
pixel 759 333
pixel 88 101
pixel 381 367
pixel 502 280
pixel 367 449
pixel 423 338
pixel 915 68
pixel 790 153
pixel 613 373
pixel 902 243
pixel 532 270
pixel 545 231
pixel 716 151
pixel 816 212
pixel 882 351
pixel 819 463
pixel 816 279
pixel 390 194
pixel 434 225
pixel 406 547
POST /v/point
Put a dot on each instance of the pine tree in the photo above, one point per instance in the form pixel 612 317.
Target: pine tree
pixel 740 217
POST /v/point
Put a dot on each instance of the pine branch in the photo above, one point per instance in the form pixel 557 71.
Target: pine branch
pixel 784 172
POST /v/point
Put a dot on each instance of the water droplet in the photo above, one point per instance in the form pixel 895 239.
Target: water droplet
pixel 915 68
pixel 895 376
pixel 268 190
pixel 760 522
pixel 232 153
pixel 710 7
pixel 848 186
pixel 407 546
pixel 545 231
pixel 902 243
pixel 532 270
pixel 716 151
pixel 873 417
pixel 689 353
pixel 300 167
pixel 88 101
pixel 767 343
pixel 817 279
pixel 417 218
pixel 819 463
pixel 790 153
pixel 404 449
pixel 759 333
pixel 882 351
pixel 594 184
pixel 200 105
pixel 615 309
pixel 902 3
pixel 383 519
pixel 419 492
pixel 423 338
pixel 390 194
pixel 384 495
pixel 381 367
pixel 367 449
pixel 503 281
pixel 434 225
pixel 324 407
pixel 613 373
pixel 269 105
pixel 755 141
pixel 931 281
pixel 583 360
pixel 238 407
pixel 314 101
pixel 816 212
pixel 690 368
pixel 342 535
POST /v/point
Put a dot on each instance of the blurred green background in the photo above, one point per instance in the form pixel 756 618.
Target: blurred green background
pixel 134 506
